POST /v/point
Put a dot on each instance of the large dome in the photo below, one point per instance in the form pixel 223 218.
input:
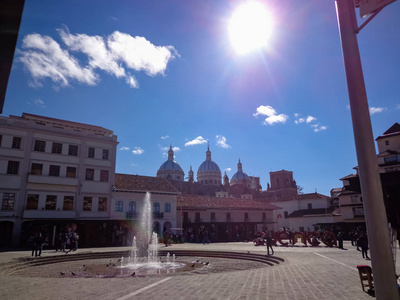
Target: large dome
pixel 171 169
pixel 170 165
pixel 209 172
pixel 208 166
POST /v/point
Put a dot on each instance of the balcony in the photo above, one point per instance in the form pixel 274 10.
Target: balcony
pixel 198 220
pixel 228 219
pixel 213 219
pixel 187 220
pixel 158 215
pixel 131 215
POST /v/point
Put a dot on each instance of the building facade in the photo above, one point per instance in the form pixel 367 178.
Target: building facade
pixel 52 173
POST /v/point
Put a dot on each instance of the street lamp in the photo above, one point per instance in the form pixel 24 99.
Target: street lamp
pixel 374 208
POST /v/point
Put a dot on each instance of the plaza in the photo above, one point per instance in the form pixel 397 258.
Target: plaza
pixel 304 273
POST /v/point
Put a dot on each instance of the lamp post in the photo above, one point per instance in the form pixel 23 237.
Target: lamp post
pixel 374 208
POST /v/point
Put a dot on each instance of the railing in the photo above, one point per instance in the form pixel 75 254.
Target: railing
pixel 198 220
pixel 213 219
pixel 158 215
pixel 131 215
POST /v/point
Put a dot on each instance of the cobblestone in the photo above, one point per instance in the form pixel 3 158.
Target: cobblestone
pixel 306 273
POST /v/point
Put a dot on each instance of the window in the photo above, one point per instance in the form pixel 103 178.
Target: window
pixel 1 138
pixel 167 207
pixel 87 203
pixel 37 169
pixel 91 152
pixel 56 148
pixel 104 175
pixel 105 154
pixel 185 216
pixel 301 229
pixel 390 159
pixel 8 201
pixel 102 204
pixel 132 206
pixel 246 216
pixel 54 170
pixel 32 202
pixel 51 202
pixel 16 143
pixel 13 167
pixel 309 205
pixel 71 172
pixel 286 214
pixel 228 216
pixel 68 203
pixel 119 206
pixel 386 143
pixel 89 174
pixel 264 216
pixel 156 206
pixel 39 146
pixel 73 150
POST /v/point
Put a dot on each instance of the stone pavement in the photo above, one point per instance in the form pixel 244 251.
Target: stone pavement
pixel 307 273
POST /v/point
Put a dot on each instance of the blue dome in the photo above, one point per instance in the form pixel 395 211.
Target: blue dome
pixel 208 166
pixel 239 176
pixel 170 165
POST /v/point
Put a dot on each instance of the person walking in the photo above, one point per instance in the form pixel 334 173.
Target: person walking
pixel 340 240
pixel 269 243
pixel 363 243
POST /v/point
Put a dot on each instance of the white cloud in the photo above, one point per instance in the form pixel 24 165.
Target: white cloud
pixel 39 102
pixel 272 116
pixel 221 142
pixel 132 82
pixel 44 58
pixel 197 141
pixel 124 148
pixel 375 110
pixel 318 127
pixel 137 151
pixel 165 137
pixel 227 170
pixel 115 54
pixel 310 119
pixel 398 106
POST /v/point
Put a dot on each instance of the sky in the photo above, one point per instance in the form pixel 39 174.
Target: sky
pixel 163 73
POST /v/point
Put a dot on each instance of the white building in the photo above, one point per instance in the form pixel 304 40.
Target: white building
pixel 52 172
pixel 304 212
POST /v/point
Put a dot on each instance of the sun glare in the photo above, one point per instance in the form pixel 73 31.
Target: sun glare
pixel 250 27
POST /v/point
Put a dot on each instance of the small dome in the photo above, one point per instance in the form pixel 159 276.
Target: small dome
pixel 239 176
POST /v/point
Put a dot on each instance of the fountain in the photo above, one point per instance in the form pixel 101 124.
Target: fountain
pixel 146 244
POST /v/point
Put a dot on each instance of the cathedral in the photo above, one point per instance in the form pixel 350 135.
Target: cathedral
pixel 209 181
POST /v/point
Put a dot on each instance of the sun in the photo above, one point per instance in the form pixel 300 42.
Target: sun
pixel 250 27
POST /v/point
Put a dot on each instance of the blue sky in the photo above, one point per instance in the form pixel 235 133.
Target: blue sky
pixel 161 73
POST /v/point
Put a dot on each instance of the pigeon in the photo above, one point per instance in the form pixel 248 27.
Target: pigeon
pixel 119 260
pixel 84 266
pixel 193 266
pixel 207 263
pixel 73 273
pixel 62 273
pixel 133 274
pixel 198 260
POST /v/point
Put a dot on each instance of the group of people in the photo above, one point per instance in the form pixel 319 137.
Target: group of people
pixel 67 240
pixel 360 240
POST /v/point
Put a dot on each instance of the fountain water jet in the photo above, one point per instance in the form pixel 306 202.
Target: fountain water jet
pixel 147 243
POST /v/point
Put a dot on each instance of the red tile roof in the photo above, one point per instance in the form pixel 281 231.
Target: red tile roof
pixel 137 183
pixel 311 196
pixel 204 202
